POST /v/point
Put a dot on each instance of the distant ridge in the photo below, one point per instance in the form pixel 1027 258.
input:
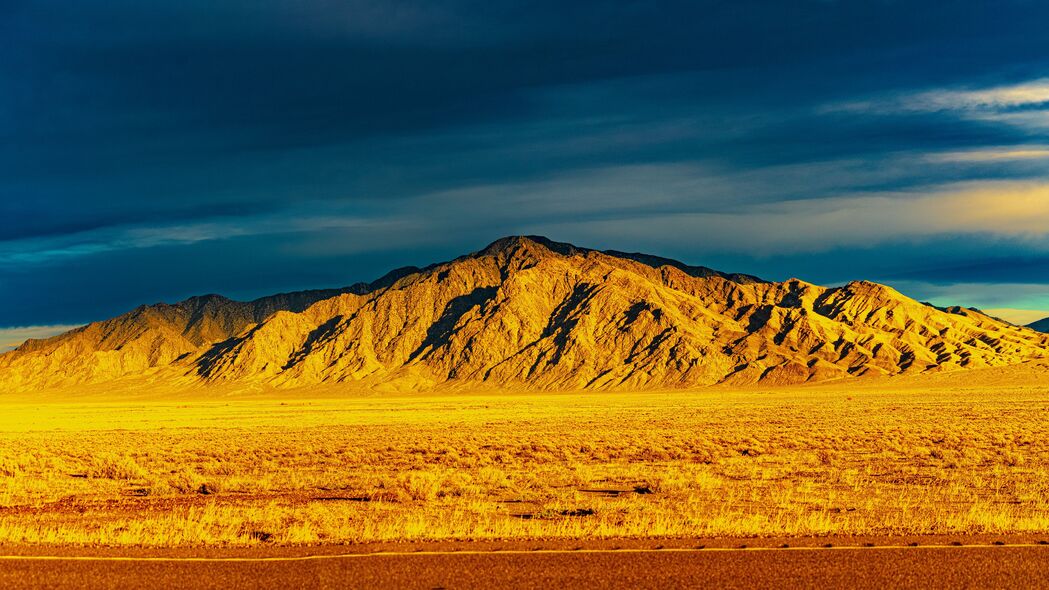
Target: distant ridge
pixel 1041 325
pixel 526 312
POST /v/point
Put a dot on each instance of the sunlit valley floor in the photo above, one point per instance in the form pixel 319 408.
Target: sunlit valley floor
pixel 850 459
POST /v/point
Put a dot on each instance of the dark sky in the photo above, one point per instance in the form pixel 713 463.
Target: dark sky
pixel 155 150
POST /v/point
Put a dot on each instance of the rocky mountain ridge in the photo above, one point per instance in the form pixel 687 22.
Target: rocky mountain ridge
pixel 530 313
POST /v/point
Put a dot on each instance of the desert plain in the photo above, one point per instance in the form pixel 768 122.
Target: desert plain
pixel 963 453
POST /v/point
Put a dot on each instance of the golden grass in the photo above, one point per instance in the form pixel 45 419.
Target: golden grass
pixel 711 463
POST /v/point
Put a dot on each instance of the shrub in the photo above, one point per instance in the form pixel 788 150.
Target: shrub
pixel 187 481
pixel 111 466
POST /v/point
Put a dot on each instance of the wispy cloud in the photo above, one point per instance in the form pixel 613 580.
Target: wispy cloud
pixel 56 248
pixel 1023 105
pixel 1013 209
pixel 701 205
pixel 996 154
pixel 1034 92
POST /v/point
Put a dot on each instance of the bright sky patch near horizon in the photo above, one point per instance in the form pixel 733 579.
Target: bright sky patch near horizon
pixel 155 151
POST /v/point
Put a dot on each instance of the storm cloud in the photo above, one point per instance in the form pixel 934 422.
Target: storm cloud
pixel 152 151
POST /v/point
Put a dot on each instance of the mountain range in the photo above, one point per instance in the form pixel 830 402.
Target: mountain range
pixel 1041 325
pixel 529 313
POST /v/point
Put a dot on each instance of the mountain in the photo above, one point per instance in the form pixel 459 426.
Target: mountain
pixel 148 337
pixel 529 313
pixel 1041 325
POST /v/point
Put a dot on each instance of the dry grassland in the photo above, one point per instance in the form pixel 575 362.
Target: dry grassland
pixel 710 463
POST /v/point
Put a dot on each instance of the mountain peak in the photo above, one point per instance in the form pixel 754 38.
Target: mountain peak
pixel 517 243
pixel 541 246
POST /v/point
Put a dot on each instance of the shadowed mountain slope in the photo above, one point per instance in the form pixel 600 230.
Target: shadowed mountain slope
pixel 526 312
